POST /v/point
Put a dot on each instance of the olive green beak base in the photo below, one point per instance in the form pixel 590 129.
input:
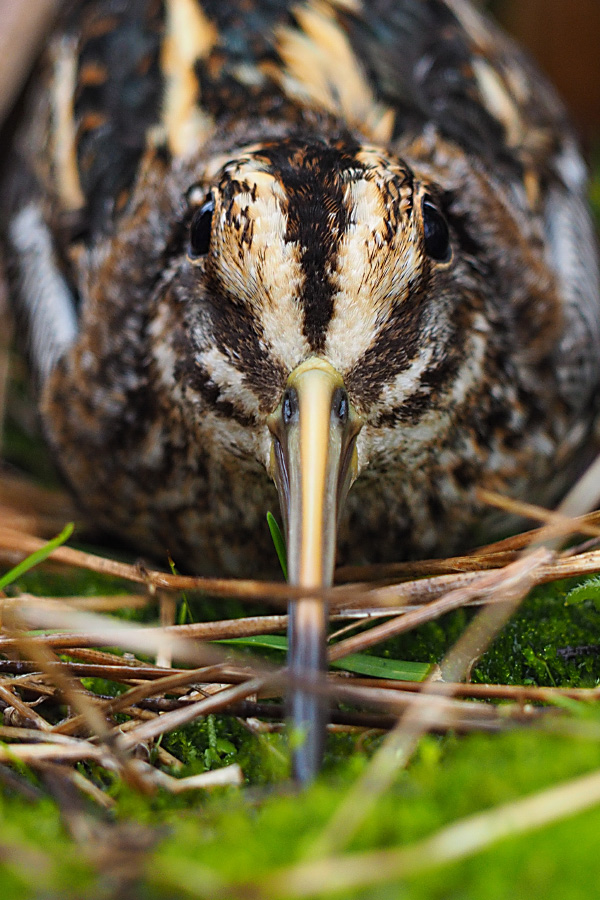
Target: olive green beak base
pixel 313 463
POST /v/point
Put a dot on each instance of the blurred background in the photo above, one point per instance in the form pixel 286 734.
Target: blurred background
pixel 564 38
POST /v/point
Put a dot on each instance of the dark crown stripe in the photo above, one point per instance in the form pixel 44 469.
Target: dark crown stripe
pixel 317 219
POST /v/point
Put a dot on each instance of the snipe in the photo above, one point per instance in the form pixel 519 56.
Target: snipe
pixel 310 244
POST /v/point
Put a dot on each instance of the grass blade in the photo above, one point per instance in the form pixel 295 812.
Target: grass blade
pixel 359 663
pixel 278 542
pixel 37 557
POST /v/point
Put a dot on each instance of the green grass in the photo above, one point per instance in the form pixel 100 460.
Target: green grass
pixel 233 837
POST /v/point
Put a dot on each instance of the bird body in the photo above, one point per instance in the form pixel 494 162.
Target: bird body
pixel 321 127
pixel 207 200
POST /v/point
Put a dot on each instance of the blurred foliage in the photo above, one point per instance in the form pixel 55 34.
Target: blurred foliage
pixel 230 836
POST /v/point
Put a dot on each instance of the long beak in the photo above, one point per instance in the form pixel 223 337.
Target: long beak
pixel 313 463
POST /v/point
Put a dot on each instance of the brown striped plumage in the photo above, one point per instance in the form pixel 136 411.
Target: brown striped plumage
pixel 225 190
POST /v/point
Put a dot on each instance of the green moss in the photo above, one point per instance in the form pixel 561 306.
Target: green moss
pixel 239 836
pixel 547 642
pixel 40 859
pixel 427 644
pixel 448 780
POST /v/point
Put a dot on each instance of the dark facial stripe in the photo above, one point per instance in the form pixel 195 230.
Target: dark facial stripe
pixel 237 333
pixel 432 383
pixel 317 219
pixel 199 380
pixel 409 411
pixel 434 380
pixel 392 352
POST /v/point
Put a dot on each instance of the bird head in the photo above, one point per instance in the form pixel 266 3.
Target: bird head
pixel 310 281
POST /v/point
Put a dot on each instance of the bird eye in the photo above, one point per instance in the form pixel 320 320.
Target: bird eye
pixel 340 406
pixel 437 236
pixel 289 409
pixel 200 228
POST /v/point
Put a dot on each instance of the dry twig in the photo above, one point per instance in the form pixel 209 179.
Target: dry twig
pixel 495 573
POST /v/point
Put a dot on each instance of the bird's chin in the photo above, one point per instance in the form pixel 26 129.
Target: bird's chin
pixel 313 463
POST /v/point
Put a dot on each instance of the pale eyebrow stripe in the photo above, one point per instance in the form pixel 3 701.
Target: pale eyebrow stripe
pixel 45 296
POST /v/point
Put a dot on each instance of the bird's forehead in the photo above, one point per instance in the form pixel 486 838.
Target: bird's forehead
pixel 248 175
pixel 290 172
pixel 320 246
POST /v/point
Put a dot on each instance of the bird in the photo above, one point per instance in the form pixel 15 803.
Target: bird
pixel 327 253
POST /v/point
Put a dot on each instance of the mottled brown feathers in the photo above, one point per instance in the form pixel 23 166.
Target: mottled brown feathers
pixel 315 138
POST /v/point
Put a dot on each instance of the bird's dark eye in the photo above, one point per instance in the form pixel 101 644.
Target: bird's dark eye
pixel 289 410
pixel 437 236
pixel 200 228
pixel 340 406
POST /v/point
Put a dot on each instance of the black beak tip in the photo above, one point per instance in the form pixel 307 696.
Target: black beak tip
pixel 308 714
pixel 308 706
